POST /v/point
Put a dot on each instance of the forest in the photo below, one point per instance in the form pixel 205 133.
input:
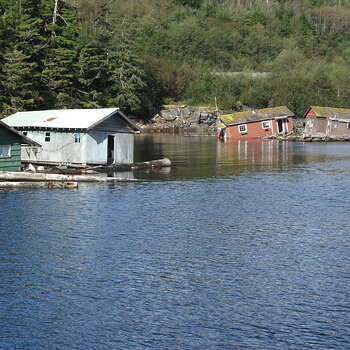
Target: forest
pixel 141 54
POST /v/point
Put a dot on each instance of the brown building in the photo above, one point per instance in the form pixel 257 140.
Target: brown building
pixel 256 124
pixel 327 122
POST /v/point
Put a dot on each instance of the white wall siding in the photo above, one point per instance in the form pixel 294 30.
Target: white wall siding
pixel 60 149
pixel 124 148
pixel 96 147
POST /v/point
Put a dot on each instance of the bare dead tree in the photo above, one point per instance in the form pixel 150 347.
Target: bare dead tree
pixel 55 13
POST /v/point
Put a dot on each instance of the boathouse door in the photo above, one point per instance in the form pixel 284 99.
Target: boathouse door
pixel 282 125
pixel 111 149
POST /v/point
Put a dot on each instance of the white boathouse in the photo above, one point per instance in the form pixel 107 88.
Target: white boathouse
pixel 76 136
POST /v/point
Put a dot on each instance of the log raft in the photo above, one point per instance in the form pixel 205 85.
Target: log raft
pixel 32 177
pixel 38 184
pixel 53 180
pixel 158 163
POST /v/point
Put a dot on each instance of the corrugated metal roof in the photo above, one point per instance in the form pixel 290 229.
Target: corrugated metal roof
pixel 257 115
pixel 63 118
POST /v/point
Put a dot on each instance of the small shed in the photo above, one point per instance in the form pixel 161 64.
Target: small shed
pixel 327 122
pixel 11 142
pixel 254 124
pixel 77 136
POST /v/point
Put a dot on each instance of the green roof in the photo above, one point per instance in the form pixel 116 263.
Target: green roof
pixel 330 112
pixel 256 115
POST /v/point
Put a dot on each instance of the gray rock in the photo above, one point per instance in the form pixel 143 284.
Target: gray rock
pixel 196 117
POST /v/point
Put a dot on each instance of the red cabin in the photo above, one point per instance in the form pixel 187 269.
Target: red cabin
pixel 255 124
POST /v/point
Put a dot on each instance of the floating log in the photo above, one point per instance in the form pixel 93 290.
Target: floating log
pixel 164 162
pixel 38 184
pixel 158 163
pixel 22 176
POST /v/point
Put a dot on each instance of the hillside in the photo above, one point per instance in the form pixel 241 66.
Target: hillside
pixel 140 54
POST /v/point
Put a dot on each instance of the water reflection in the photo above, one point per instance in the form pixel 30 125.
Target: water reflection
pixel 255 155
pixel 206 157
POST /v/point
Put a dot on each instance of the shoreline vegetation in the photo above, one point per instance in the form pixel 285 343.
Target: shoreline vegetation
pixel 141 54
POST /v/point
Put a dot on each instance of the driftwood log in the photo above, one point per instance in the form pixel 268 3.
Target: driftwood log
pixel 22 176
pixel 38 184
pixel 158 163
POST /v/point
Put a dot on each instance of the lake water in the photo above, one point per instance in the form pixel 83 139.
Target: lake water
pixel 236 246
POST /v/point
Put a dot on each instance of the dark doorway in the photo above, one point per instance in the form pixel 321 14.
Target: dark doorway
pixel 280 125
pixel 110 150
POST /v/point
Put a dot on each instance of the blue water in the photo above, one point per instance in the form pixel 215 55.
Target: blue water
pixel 238 246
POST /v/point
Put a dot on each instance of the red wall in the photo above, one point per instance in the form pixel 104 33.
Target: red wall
pixel 255 130
pixel 311 112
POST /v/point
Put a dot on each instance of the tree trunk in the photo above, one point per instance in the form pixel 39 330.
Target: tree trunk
pixel 37 184
pixel 55 11
pixel 22 176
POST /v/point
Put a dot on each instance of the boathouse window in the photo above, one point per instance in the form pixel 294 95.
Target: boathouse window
pixel 47 136
pixel 77 138
pixel 242 129
pixel 5 151
pixel 266 124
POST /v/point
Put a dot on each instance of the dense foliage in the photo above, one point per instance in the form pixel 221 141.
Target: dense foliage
pixel 139 54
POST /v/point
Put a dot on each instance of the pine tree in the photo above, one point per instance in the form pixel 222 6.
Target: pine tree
pixel 92 76
pixel 18 92
pixel 59 66
pixel 21 38
pixel 93 56
pixel 126 76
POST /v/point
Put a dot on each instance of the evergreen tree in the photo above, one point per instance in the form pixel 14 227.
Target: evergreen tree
pixel 21 39
pixel 18 93
pixel 92 76
pixel 60 59
pixel 126 76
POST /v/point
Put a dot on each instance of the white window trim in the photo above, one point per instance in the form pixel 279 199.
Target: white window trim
pixel 268 124
pixel 9 151
pixel 242 132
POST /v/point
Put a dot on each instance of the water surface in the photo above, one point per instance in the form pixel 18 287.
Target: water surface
pixel 237 246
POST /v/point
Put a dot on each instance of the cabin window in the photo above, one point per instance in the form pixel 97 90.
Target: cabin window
pixel 5 151
pixel 77 138
pixel 47 136
pixel 348 125
pixel 242 129
pixel 266 124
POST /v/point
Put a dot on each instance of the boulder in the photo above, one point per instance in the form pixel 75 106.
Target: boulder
pixel 196 117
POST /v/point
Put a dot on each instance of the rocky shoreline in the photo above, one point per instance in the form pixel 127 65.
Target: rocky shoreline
pixel 203 121
pixel 184 119
pixel 307 138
